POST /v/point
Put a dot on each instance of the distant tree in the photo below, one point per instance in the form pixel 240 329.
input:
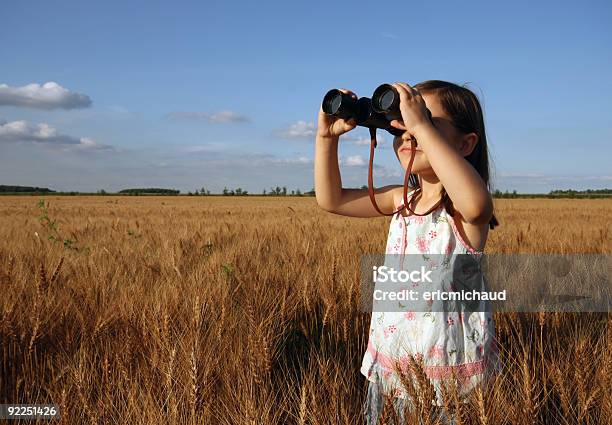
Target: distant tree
pixel 151 190
pixel 284 190
pixel 298 192
pixel 264 191
pixel 15 189
pixel 225 191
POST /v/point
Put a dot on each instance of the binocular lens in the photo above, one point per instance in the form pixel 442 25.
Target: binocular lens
pixel 385 98
pixel 332 102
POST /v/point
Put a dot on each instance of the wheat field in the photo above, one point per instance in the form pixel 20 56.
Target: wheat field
pixel 245 310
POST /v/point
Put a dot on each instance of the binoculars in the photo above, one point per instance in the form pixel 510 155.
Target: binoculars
pixel 376 112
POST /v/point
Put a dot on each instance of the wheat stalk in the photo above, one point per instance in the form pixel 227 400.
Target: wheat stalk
pixel 42 284
pixel 81 391
pixel 303 407
pixel 221 323
pixel 9 270
pixel 193 375
pixel 55 275
pixel 326 315
pixel 63 407
pixel 409 385
pixel 528 387
pixel 305 294
pixel 605 375
pixel 482 413
pixel 345 329
pixel 169 382
pixel 426 389
pixel 562 390
pixel 252 343
pixel 388 410
pixel 457 404
pixel 579 375
pixel 42 278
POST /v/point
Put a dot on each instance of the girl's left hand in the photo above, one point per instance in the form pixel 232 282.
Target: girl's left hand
pixel 412 107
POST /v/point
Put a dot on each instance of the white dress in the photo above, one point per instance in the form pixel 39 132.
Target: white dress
pixel 455 342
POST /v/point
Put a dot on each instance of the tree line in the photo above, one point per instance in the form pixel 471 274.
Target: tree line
pixel 274 191
pixel 569 193
pixel 284 191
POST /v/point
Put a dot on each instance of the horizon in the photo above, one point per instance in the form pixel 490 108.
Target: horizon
pixel 264 192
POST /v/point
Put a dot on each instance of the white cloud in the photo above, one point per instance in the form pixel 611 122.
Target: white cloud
pixel 353 161
pixel 220 117
pixel 50 95
pixel 298 130
pixel 298 160
pixel 43 133
pixel 384 172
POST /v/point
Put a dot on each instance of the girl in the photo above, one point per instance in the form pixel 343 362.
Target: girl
pixel 451 167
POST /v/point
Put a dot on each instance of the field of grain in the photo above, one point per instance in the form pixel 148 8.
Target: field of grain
pixel 245 310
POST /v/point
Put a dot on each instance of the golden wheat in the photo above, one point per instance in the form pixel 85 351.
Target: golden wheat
pixel 245 310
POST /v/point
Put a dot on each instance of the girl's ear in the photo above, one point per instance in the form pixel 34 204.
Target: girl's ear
pixel 468 144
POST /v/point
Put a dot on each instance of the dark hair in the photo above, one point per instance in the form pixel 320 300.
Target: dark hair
pixel 463 107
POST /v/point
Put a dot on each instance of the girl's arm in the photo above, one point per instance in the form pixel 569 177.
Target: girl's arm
pixel 461 181
pixel 330 194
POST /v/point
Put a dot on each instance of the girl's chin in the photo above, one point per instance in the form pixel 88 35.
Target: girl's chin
pixel 416 168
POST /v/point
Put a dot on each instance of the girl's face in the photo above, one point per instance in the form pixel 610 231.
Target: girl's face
pixel 441 121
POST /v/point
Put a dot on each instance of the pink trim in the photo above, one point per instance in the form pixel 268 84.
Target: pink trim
pixel 416 217
pixel 463 371
pixel 451 220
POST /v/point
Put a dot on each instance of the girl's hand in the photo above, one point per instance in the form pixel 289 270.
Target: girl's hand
pixel 332 127
pixel 412 107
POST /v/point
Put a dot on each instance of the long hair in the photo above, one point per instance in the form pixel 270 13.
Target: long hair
pixel 463 107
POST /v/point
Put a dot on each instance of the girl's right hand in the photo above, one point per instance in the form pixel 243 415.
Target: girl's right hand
pixel 332 127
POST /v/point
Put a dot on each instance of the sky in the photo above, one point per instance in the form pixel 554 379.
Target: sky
pixel 112 95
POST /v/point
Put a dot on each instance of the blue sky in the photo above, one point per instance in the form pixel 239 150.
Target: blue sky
pixel 109 95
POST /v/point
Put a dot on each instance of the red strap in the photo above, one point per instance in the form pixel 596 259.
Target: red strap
pixel 406 205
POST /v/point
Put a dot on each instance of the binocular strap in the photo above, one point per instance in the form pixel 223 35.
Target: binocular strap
pixel 406 204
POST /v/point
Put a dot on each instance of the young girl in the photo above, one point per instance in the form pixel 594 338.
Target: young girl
pixel 451 164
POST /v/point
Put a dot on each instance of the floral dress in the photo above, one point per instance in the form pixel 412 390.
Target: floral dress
pixel 451 343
